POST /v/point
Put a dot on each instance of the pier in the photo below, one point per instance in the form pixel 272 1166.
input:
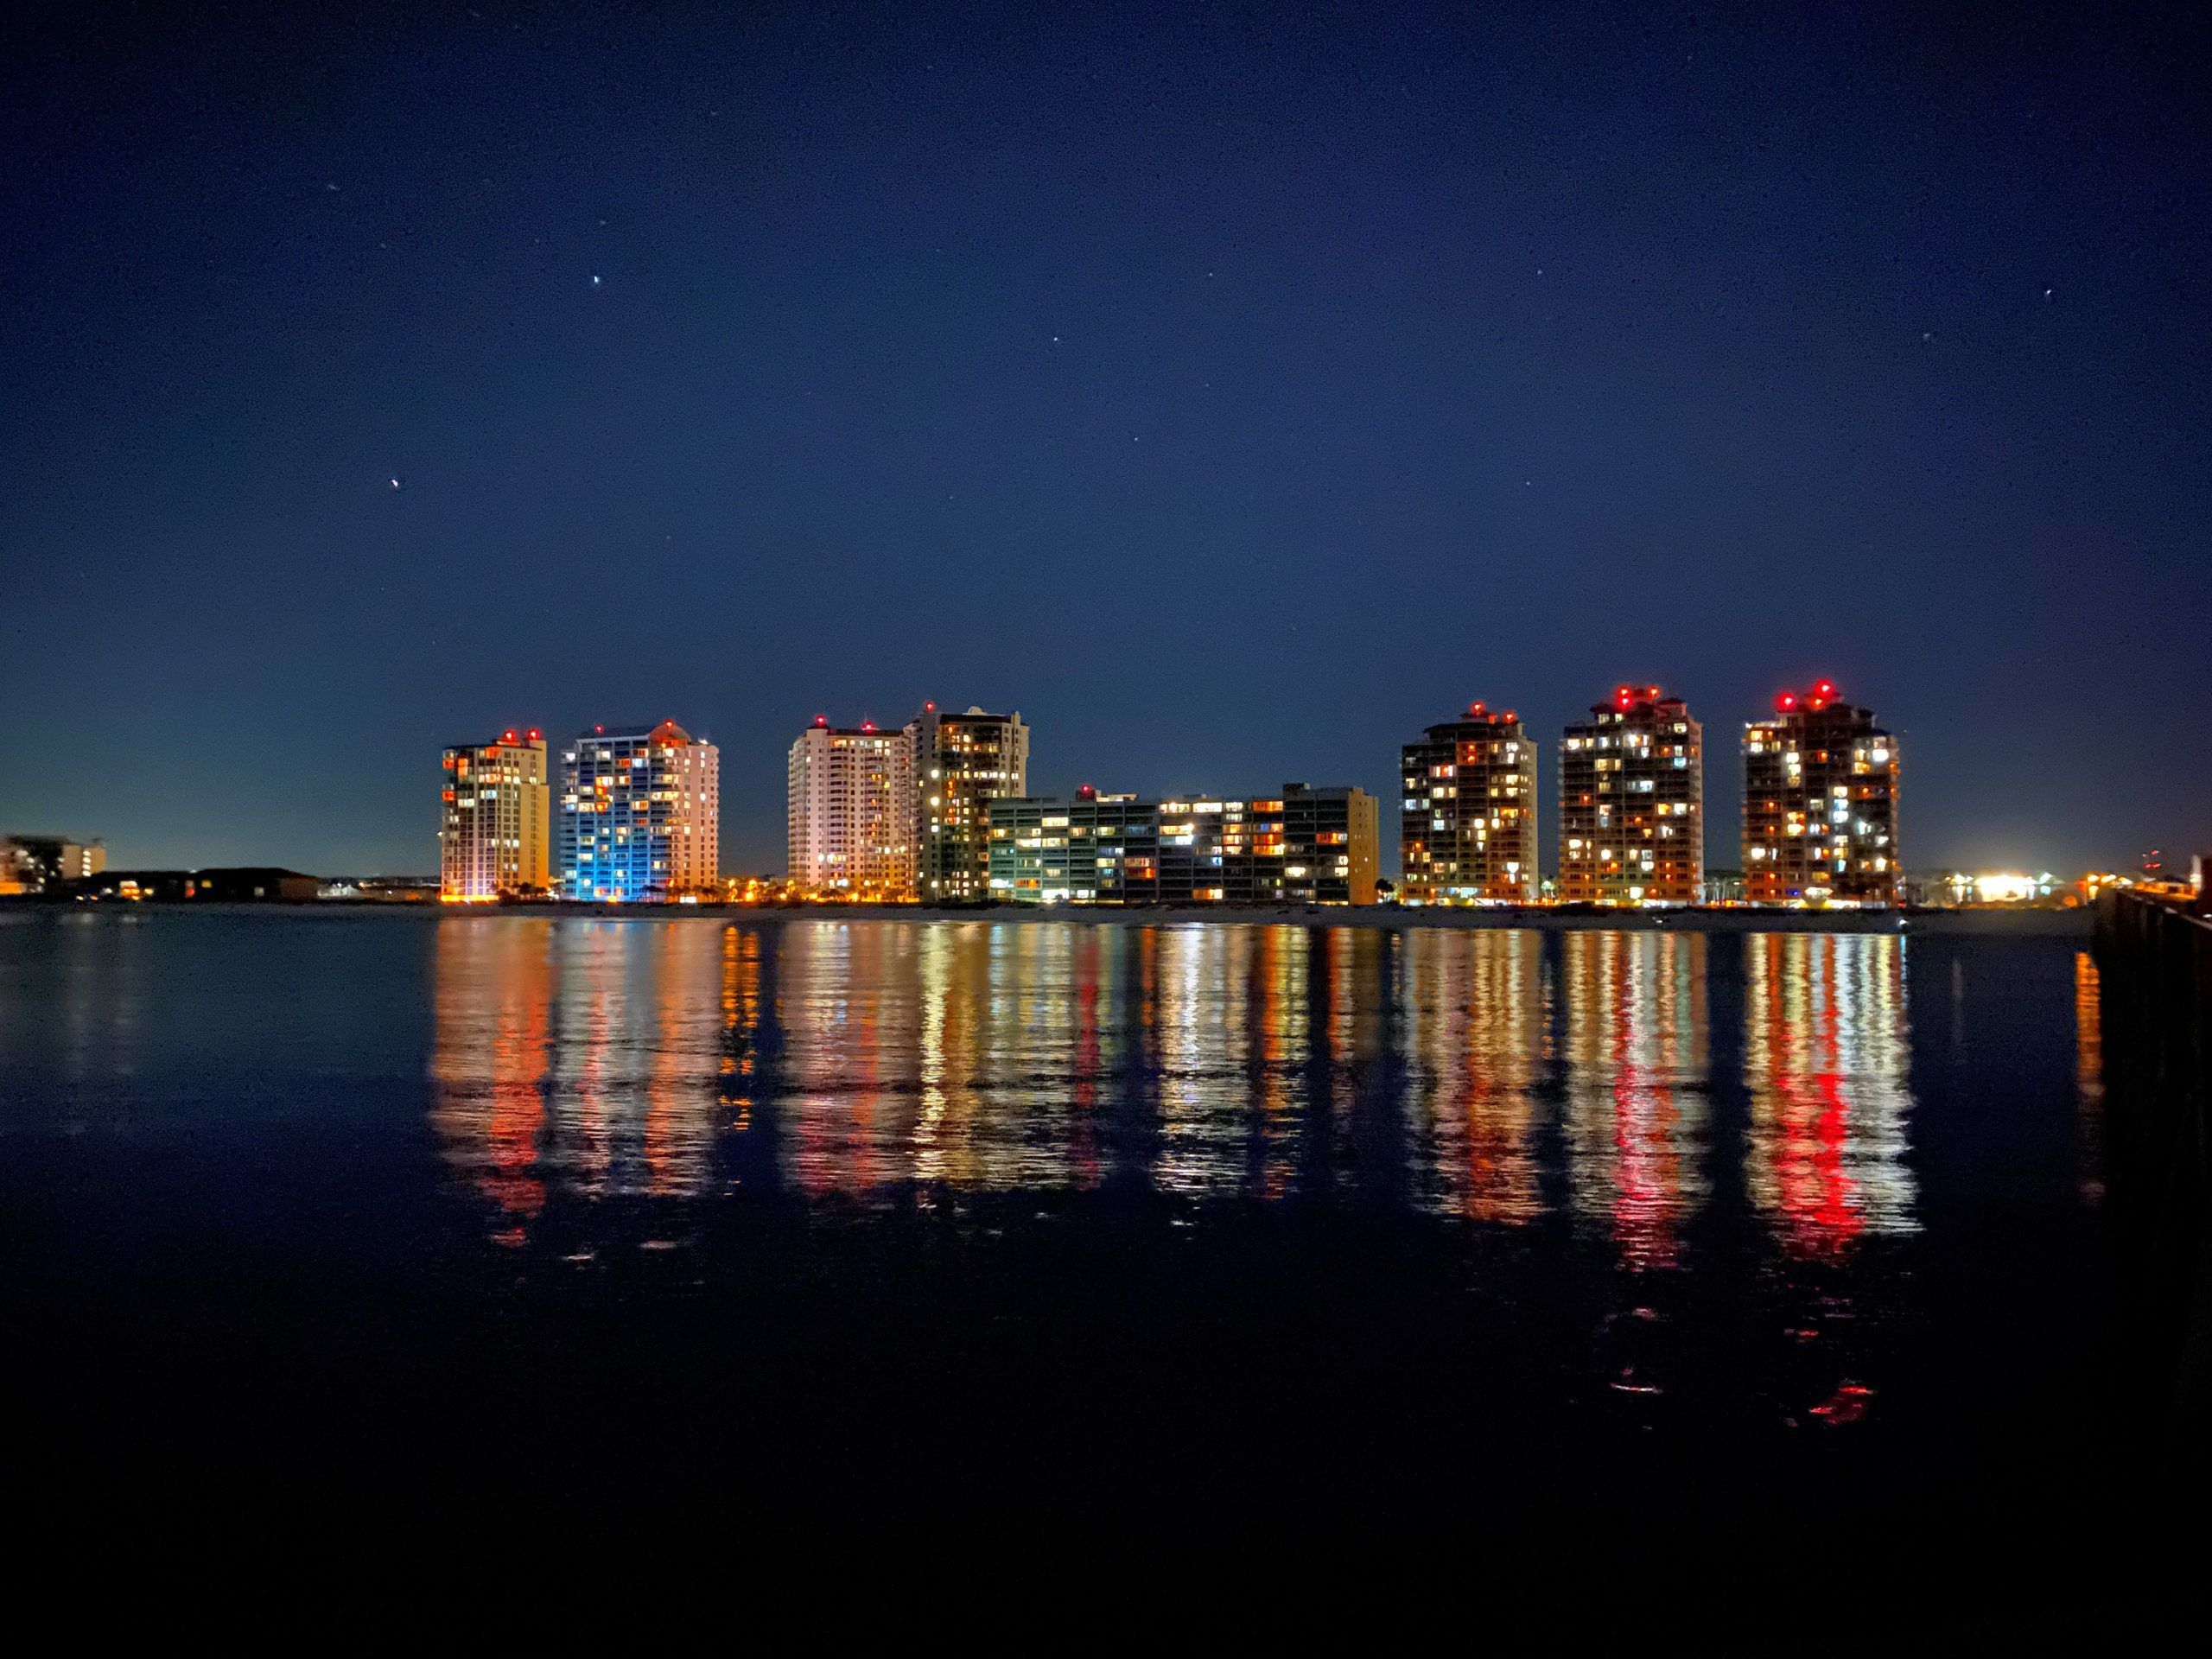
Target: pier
pixel 2154 960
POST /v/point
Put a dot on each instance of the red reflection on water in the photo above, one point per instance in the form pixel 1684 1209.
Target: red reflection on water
pixel 1083 1132
pixel 1848 1404
pixel 741 1011
pixel 1825 1058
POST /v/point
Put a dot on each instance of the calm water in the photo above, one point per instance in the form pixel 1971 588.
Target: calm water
pixel 1437 1225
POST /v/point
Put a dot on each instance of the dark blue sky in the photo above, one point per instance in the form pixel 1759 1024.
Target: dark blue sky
pixel 1234 390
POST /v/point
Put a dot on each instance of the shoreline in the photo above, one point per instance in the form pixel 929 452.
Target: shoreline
pixel 2002 924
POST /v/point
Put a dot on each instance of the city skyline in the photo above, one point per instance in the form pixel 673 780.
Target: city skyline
pixel 1535 782
pixel 914 812
pixel 1301 382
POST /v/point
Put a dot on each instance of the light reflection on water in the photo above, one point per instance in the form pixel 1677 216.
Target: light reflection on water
pixel 1477 1043
pixel 1676 1180
pixel 1826 1062
pixel 1466 1074
pixel 1637 1069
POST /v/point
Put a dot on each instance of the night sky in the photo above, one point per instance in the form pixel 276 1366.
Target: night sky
pixel 1233 391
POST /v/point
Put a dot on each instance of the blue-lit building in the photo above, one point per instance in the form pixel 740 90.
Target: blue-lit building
pixel 640 816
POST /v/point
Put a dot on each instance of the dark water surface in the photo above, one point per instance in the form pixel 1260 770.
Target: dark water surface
pixel 1794 1238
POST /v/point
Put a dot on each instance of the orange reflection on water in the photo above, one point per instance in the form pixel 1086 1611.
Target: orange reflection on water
pixel 1637 1069
pixel 846 997
pixel 1826 1060
pixel 2090 1072
pixel 1274 1041
pixel 740 1009
pixel 581 1054
pixel 679 1141
pixel 492 1027
pixel 1475 1034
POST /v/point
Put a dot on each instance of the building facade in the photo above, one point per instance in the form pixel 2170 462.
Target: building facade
pixel 250 884
pixel 1308 845
pixel 1631 803
pixel 640 816
pixel 44 863
pixel 1820 804
pixel 850 811
pixel 1467 815
pixel 961 764
pixel 1331 844
pixel 1091 848
pixel 495 831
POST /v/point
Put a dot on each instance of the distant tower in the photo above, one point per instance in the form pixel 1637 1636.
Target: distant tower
pixel 495 830
pixel 849 803
pixel 1631 803
pixel 1820 804
pixel 640 814
pixel 1467 818
pixel 961 764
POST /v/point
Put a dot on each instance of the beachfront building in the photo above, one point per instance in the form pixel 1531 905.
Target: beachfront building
pixel 1331 844
pixel 1820 804
pixel 1632 789
pixel 495 824
pixel 47 863
pixel 640 814
pixel 1087 849
pixel 1306 846
pixel 850 811
pixel 962 763
pixel 1467 813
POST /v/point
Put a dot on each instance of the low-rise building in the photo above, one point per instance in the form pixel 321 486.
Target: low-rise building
pixel 387 889
pixel 44 863
pixel 1087 849
pixel 1331 844
pixel 244 884
pixel 1306 846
